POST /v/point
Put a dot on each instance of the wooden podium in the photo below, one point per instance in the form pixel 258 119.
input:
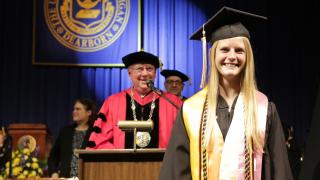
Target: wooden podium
pixel 120 164
pixel 38 131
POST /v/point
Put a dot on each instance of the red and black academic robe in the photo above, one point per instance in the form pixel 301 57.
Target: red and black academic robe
pixel 107 135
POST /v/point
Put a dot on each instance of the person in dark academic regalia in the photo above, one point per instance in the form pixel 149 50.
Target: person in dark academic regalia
pixel 228 130
pixel 310 168
pixel 139 103
pixel 174 82
pixel 295 153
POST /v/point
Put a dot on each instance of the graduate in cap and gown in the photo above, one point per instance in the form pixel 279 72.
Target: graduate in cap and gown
pixel 174 82
pixel 139 103
pixel 228 130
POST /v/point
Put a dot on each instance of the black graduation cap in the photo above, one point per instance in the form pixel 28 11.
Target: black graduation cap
pixel 228 23
pixel 166 73
pixel 141 57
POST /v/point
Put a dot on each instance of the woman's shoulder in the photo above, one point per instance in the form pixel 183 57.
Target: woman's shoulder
pixel 273 118
pixel 199 96
pixel 272 107
pixel 68 128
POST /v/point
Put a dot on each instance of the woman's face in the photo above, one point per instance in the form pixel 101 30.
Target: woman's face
pixel 80 114
pixel 230 58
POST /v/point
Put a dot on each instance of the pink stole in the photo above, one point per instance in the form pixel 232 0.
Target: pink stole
pixel 232 155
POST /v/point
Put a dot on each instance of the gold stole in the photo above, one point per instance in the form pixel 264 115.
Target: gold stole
pixel 192 115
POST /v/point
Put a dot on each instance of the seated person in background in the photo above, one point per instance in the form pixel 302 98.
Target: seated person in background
pixel 174 83
pixel 138 102
pixel 62 162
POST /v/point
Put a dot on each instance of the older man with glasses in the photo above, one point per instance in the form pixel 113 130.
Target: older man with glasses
pixel 139 103
pixel 174 83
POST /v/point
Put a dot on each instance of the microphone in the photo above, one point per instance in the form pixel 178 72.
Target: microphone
pixel 150 84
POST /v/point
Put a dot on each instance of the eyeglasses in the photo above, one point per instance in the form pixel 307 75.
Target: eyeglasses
pixel 171 82
pixel 141 69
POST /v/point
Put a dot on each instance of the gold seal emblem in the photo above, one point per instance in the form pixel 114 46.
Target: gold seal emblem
pixel 143 139
pixel 86 25
pixel 27 141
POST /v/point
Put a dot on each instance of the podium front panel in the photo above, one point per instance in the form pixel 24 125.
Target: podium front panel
pixel 120 164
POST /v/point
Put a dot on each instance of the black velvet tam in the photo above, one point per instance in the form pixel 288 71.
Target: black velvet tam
pixel 140 57
pixel 166 73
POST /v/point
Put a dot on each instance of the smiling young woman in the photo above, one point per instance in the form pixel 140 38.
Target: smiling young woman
pixel 229 129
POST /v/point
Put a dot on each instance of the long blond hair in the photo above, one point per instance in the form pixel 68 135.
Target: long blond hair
pixel 248 88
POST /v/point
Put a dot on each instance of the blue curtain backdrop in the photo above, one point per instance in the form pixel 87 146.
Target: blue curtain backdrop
pixel 167 28
pixel 45 94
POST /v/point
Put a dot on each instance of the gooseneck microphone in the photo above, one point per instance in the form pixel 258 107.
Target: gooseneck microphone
pixel 150 84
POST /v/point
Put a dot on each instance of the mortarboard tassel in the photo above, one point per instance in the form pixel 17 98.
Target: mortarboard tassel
pixel 204 58
pixel 189 81
pixel 160 64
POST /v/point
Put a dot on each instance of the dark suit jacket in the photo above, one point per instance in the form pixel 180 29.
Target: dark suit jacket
pixel 61 153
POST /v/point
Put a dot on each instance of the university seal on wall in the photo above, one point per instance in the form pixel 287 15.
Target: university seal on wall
pixel 86 25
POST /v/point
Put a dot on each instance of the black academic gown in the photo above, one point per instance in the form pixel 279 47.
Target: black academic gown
pixel 310 169
pixel 275 164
